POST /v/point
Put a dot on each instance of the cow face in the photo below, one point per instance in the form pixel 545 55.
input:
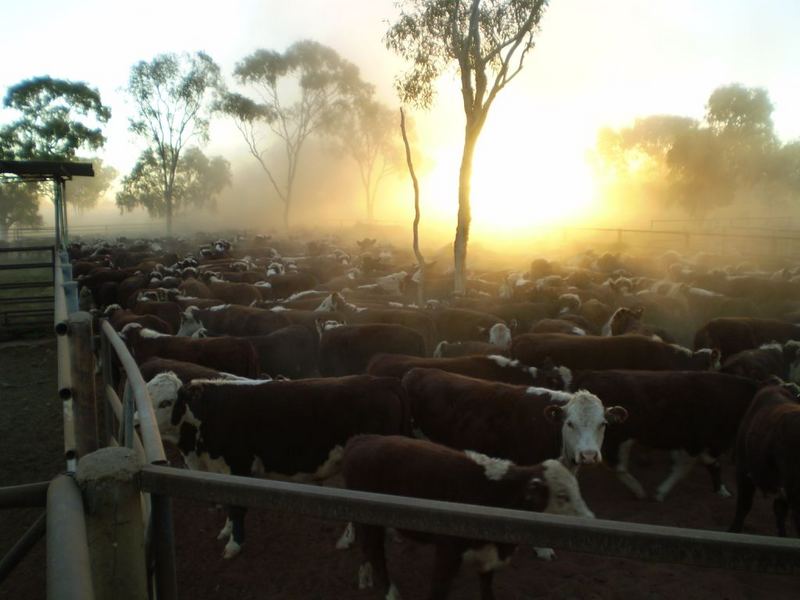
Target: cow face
pixel 163 391
pixel 583 421
pixel 625 320
pixel 190 324
pixel 560 489
pixel 707 359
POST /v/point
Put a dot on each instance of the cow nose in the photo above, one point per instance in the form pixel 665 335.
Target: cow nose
pixel 589 456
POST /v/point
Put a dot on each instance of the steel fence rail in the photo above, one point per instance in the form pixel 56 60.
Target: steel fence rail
pixel 24 496
pixel 22 547
pixel 611 538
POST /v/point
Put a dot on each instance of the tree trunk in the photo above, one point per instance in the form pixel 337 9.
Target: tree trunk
pixel 464 211
pixel 286 205
pixel 370 209
pixel 169 215
pixel 415 229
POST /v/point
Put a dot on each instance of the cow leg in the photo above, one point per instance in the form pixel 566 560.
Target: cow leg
pixel 446 566
pixel 745 490
pixel 234 545
pixel 682 463
pixel 347 538
pixel 225 532
pixel 373 569
pixel 715 471
pixel 621 470
pixel 487 591
pixel 781 509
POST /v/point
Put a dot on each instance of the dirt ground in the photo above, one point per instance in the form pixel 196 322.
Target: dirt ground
pixel 291 557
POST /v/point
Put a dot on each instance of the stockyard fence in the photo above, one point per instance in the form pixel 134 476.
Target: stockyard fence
pixel 108 518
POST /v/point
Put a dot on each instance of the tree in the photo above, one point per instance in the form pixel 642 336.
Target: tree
pixel 325 85
pixel 173 95
pixel 367 133
pixel 198 181
pixel 487 41
pixel 19 205
pixel 57 118
pixel 84 192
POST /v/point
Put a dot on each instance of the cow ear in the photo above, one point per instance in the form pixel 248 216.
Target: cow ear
pixel 616 414
pixel 554 413
pixel 716 355
pixel 537 493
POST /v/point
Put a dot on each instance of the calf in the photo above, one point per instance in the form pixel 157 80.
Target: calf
pixel 523 424
pixel 694 414
pixel 232 355
pixel 347 350
pixel 286 429
pixel 617 352
pixel 416 468
pixel 767 447
pixel 491 368
pixel 734 334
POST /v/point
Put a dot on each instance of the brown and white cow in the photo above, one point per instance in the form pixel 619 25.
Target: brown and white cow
pixel 266 429
pixel 693 414
pixel 523 424
pixel 734 334
pixel 406 467
pixel 231 319
pixel 232 355
pixel 491 368
pixel 616 352
pixel 767 448
pixel 768 360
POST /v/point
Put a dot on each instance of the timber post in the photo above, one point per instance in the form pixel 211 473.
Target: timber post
pixel 84 403
pixel 108 479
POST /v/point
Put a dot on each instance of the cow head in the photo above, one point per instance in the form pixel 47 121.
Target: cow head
pixel 163 391
pixel 324 325
pixel 557 492
pixel 190 322
pixel 583 420
pixel 706 359
pixel 791 356
pixel 624 320
pixel 500 335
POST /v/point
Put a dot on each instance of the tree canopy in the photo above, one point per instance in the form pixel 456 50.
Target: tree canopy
pixel 487 42
pixel 321 84
pixel 198 183
pixel 732 155
pixel 173 96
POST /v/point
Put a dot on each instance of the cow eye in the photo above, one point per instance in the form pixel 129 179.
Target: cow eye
pixel 563 497
pixel 165 404
pixel 570 425
pixel 603 424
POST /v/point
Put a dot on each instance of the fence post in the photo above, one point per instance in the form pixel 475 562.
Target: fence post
pixel 114 527
pixel 84 403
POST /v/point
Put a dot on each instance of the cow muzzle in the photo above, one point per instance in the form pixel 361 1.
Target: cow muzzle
pixel 589 457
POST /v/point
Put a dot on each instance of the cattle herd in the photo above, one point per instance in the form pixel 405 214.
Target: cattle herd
pixel 301 360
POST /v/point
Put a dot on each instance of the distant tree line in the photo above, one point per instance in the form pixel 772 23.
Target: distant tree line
pixel 731 155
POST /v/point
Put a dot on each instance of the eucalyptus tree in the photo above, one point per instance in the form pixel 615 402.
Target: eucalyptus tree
pixel 298 93
pixel 487 42
pixel 55 119
pixel 173 97
pixel 198 182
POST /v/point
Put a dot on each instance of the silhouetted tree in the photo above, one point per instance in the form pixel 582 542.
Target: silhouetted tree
pixel 84 192
pixel 487 40
pixel 324 84
pixel 19 205
pixel 173 95
pixel 197 182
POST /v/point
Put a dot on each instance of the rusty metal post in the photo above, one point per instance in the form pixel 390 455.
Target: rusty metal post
pixel 84 404
pixel 114 527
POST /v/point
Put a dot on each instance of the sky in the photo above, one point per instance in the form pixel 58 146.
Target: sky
pixel 596 63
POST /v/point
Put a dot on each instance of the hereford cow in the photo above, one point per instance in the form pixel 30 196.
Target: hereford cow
pixel 734 334
pixel 118 317
pixel 168 311
pixel 767 447
pixel 267 429
pixel 290 351
pixel 232 355
pixel 617 352
pixel 421 469
pixel 523 424
pixel 629 320
pixel 491 368
pixel 769 360
pixel 346 350
pixel 499 343
pixel 230 319
pixel 694 414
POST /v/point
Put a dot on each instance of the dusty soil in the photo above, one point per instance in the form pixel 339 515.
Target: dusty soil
pixel 291 557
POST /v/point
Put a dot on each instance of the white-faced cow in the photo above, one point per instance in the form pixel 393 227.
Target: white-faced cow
pixel 421 469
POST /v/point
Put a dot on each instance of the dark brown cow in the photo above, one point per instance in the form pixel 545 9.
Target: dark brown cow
pixel 695 414
pixel 767 449
pixel 290 351
pixel 118 317
pixel 284 429
pixel 463 325
pixel 769 360
pixel 242 294
pixel 629 320
pixel 232 355
pixel 406 467
pixel 230 319
pixel 347 349
pixel 490 368
pixel 523 424
pixel 734 334
pixel 617 352
pixel 167 311
pixel 457 349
